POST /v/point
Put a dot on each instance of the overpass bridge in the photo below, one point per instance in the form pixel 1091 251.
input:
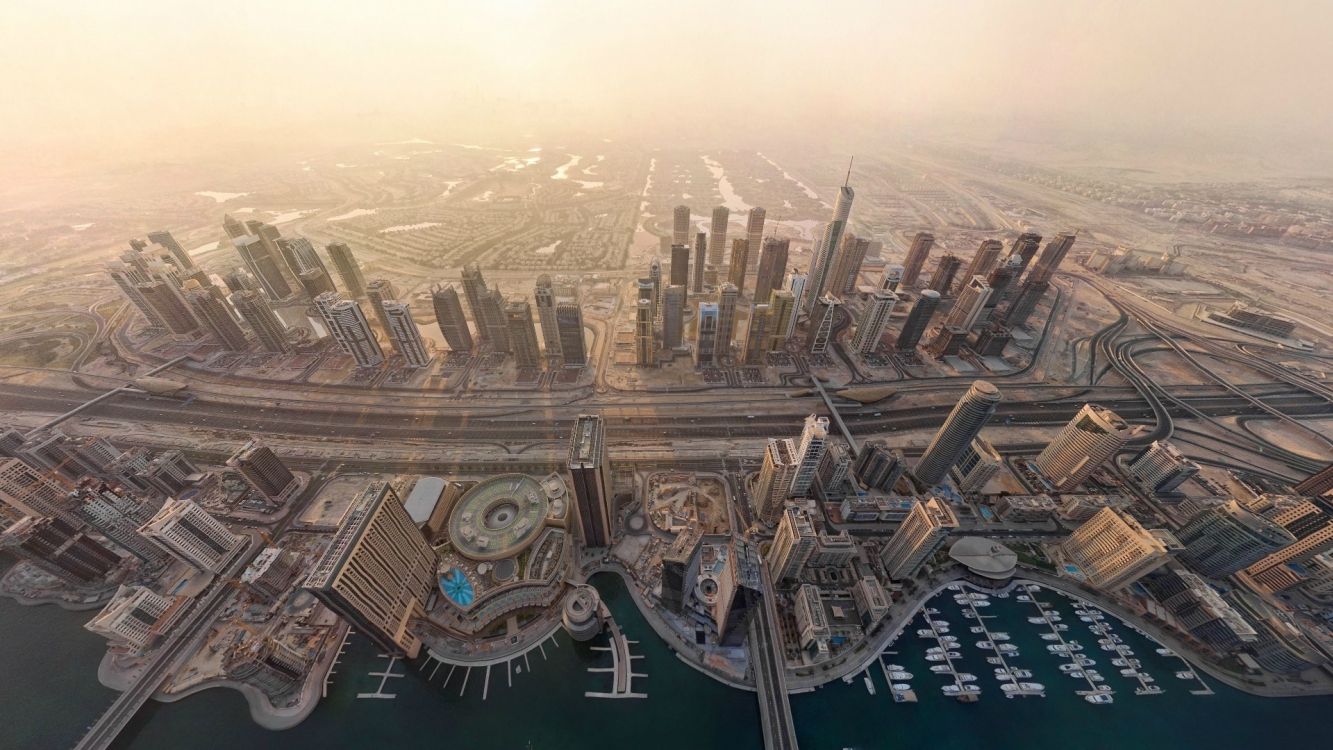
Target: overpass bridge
pixel 770 674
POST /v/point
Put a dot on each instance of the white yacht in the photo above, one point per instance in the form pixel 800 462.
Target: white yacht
pixel 897 675
pixel 977 629
pixel 941 668
pixel 1185 674
pixel 1099 698
pixel 1069 667
pixel 994 660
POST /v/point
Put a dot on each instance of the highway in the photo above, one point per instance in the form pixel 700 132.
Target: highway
pixel 770 675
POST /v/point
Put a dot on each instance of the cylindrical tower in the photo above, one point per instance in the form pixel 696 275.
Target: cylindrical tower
pixel 971 413
pixel 582 615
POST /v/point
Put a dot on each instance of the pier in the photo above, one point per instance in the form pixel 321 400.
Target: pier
pixel 1018 689
pixel 622 663
pixel 967 693
pixel 1073 656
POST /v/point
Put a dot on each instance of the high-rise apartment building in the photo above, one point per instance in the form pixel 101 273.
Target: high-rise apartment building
pixel 1094 435
pixel 754 236
pixel 916 258
pixel 877 466
pixel 590 469
pixel 349 327
pixel 758 338
pixel 450 318
pixel 963 425
pixel 190 533
pixel 263 265
pixel 893 278
pixel 474 288
pixel 941 280
pixel 1226 539
pixel 809 452
pixel 117 515
pixel 726 319
pixel 782 311
pixel 680 266
pixel 917 321
pixel 918 537
pixel 30 492
pixel 354 283
pixel 212 312
pixel 772 486
pixel 847 266
pixel 404 334
pixel 700 253
pixel 645 336
pixel 793 544
pixel 163 239
pixel 986 258
pixel 874 319
pixel 1161 467
pixel 166 298
pixel 1024 250
pixel 137 617
pixel 1112 550
pixel 1049 260
pixel 673 316
pixel 253 307
pixel 569 327
pixel 378 572
pixel 979 463
pixel 829 245
pixel 378 291
pixel 1318 483
pixel 1025 302
pixel 740 253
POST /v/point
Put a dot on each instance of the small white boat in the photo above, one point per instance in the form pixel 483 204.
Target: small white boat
pixel 932 611
pixel 1148 690
pixel 1099 698
pixel 1050 637
pixel 1185 674
pixel 941 668
pixel 955 655
pixel 925 633
pixel 896 667
pixel 1037 620
pixel 1061 628
pixel 965 677
pixel 896 675
pixel 986 645
pixel 999 636
pixel 994 660
pixel 1094 677
pixel 970 615
pixel 901 687
pixel 936 650
pixel 1120 662
pixel 980 603
pixel 870 686
pixel 1010 687
pixel 954 587
pixel 934 657
pixel 1023 598
pixel 1007 648
pixel 1075 674
pixel 951 690
pixel 1146 677
pixel 977 629
pixel 1068 667
pixel 1034 687
pixel 1084 661
pixel 1058 648
pixel 1129 672
pixel 1021 674
pixel 938 623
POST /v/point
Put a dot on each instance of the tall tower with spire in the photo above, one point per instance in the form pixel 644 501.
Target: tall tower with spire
pixel 830 242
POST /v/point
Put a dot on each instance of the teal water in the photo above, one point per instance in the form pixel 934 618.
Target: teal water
pixel 49 692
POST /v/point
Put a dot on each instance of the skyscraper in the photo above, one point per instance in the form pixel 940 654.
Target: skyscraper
pixel 821 328
pixel 493 307
pixel 916 257
pixel 1024 249
pixel 1024 303
pixel 171 308
pixel 978 465
pixel 117 515
pixel 349 327
pixel 827 250
pixel 162 238
pixel 963 424
pixel 1112 550
pixel 1226 539
pixel 450 318
pixel 754 236
pixel 1094 435
pixel 1000 280
pixel 544 295
pixel 967 308
pixel 917 320
pixel 377 292
pixel 673 316
pixel 919 536
pixel 354 283
pixel 264 471
pixel 659 289
pixel 945 270
pixel 404 334
pixel 378 572
pixel 893 278
pixel 705 342
pixel 782 311
pixel 211 311
pixel 772 268
pixel 797 284
pixel 128 278
pixel 29 492
pixel 590 469
pixel 847 266
pixel 645 336
pixel 522 332
pixel 680 226
pixel 253 307
pixel 792 546
pixel 700 253
pixel 474 288
pixel 877 466
pixel 717 236
pixel 1161 467
pixel 757 336
pixel 262 263
pixel 569 326
pixel 680 266
pixel 809 452
pixel 193 535
pixel 986 258
pixel 874 318
pixel 726 319
pixel 740 253
pixel 773 484
pixel 1049 260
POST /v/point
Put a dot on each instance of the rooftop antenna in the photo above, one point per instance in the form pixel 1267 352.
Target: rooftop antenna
pixel 848 181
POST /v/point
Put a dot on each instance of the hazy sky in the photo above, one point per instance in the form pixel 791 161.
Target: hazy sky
pixel 112 72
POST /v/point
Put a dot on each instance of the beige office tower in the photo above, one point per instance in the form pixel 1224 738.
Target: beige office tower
pixel 781 310
pixel 1113 550
pixel 717 236
pixel 967 308
pixel 919 536
pixel 673 316
pixel 404 334
pixel 569 324
pixel 757 335
pixel 793 544
pixel 754 236
pixel 680 226
pixel 916 258
pixel 847 266
pixel 772 268
pixel 645 337
pixel 874 319
pixel 726 319
pixel 522 332
pixel 1093 436
pixel 378 571
pixel 773 485
pixel 192 534
pixel 378 291
pixel 544 295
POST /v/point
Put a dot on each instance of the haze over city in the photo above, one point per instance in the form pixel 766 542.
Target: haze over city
pixel 710 375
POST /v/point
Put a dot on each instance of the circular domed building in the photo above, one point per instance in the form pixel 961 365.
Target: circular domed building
pixel 507 553
pixel 988 562
pixel 582 615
